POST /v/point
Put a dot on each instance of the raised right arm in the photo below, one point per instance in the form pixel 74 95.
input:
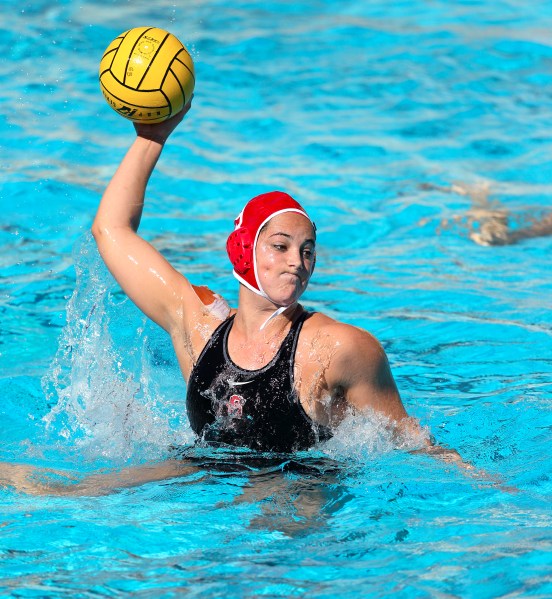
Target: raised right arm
pixel 160 291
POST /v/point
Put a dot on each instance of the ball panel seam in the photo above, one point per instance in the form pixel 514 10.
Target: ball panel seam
pixel 186 67
pixel 152 61
pixel 134 48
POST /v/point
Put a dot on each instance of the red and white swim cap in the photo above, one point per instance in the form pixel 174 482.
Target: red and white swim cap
pixel 242 241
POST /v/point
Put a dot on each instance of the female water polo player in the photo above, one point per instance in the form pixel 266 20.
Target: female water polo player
pixel 268 375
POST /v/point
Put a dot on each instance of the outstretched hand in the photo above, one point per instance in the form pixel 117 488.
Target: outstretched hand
pixel 160 132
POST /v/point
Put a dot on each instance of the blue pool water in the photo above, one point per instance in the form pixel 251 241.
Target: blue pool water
pixel 369 113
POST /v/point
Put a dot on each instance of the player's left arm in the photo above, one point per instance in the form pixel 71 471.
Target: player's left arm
pixel 361 375
pixel 359 372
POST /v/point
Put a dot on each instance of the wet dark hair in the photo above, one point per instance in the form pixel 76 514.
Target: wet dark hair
pixel 261 230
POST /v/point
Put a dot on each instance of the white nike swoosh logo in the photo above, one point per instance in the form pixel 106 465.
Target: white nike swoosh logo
pixel 235 383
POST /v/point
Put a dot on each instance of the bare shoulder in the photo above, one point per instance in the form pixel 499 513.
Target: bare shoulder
pixel 345 339
pixel 351 355
pixel 349 365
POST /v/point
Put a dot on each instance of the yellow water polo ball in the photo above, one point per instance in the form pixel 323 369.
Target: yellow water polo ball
pixel 147 75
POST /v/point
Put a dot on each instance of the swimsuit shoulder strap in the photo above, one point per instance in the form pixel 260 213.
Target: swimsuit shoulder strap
pixel 294 335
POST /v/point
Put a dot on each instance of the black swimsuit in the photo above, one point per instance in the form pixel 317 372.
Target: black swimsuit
pixel 258 409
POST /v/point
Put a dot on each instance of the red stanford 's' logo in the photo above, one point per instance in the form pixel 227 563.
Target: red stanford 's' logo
pixel 235 406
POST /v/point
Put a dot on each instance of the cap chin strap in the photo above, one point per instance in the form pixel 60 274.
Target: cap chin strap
pixel 262 293
pixel 273 315
pixel 276 312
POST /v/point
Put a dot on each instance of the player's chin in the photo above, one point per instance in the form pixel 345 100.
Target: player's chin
pixel 291 293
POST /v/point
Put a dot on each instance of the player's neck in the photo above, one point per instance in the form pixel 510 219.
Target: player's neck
pixel 258 317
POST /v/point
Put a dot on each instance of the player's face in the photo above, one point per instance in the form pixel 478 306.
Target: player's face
pixel 285 257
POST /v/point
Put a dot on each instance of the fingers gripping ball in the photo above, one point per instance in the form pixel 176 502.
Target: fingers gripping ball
pixel 147 75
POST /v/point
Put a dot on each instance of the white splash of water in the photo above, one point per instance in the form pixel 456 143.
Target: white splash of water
pixel 361 436
pixel 104 395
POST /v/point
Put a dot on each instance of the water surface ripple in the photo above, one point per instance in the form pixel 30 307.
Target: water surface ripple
pixel 399 126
